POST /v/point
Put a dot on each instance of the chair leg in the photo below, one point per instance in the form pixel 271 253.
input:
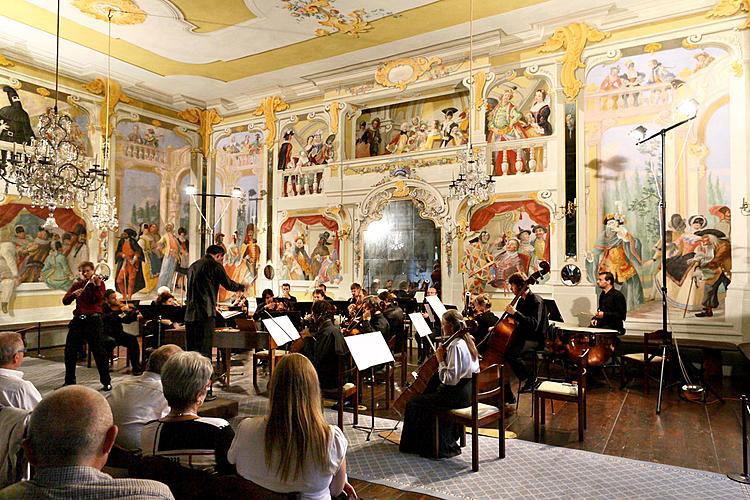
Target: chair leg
pixel 536 417
pixel 356 406
pixel 436 438
pixel 255 374
pixel 474 446
pixel 501 427
pixel 581 418
pixel 645 378
pixel 463 436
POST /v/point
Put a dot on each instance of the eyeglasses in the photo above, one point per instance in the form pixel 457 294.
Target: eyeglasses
pixel 24 350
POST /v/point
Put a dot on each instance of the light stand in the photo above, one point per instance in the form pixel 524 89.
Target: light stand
pixel 666 335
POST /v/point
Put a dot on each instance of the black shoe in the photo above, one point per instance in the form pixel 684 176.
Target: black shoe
pixel 528 386
pixel 106 387
pixel 704 314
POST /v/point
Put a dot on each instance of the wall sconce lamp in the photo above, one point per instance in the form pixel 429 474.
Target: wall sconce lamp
pixel 745 208
pixel 567 210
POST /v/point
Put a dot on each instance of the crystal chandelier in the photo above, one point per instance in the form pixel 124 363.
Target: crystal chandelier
pixel 472 182
pixel 51 170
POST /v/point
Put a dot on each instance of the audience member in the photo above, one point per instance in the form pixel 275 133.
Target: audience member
pixel 196 442
pixel 140 400
pixel 13 422
pixel 14 390
pixel 70 436
pixel 293 449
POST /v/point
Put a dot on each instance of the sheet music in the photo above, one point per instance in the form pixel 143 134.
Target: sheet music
pixel 428 310
pixel 437 306
pixel 368 349
pixel 281 329
pixel 419 296
pixel 423 329
pixel 230 314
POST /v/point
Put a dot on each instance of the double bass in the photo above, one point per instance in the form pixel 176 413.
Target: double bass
pixel 501 334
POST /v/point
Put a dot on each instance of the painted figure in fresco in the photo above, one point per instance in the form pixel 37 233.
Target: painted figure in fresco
pixel 611 82
pixel 151 139
pixel 8 269
pixel 128 259
pixel 250 256
pixel 135 135
pixel 285 152
pixel 724 214
pixel 36 253
pixel 170 248
pixel 506 124
pixel 434 136
pixel 447 126
pixel 702 60
pixel 375 138
pixel 715 268
pixel 540 245
pixel 184 260
pixel 525 248
pixel 398 142
pixel 319 253
pixel 659 74
pixel 289 267
pixel 618 251
pixel 15 124
pixel 490 105
pixel 147 244
pixel 507 263
pixel 478 261
pixel 232 263
pixel 362 142
pixel 78 249
pixel 21 242
pixel 539 115
pixel 655 262
pixel 632 78
pixel 680 265
pixel 301 257
pixel 56 273
pixel 330 269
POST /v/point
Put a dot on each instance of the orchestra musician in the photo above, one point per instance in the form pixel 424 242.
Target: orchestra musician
pixel 323 341
pixel 434 322
pixel 613 307
pixel 531 316
pixel 204 277
pixel 484 319
pixel 395 317
pixel 286 294
pixel 115 315
pixel 373 319
pixel 323 290
pixel 358 294
pixel 164 297
pixel 270 303
pixel 456 365
pixel 88 294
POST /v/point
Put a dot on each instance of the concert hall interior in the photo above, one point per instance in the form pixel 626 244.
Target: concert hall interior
pixel 537 206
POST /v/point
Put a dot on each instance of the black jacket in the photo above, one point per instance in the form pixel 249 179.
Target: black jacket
pixel 532 318
pixel 322 350
pixel 204 277
pixel 377 323
pixel 615 309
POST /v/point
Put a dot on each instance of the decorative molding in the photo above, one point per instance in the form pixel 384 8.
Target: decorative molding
pixel 479 81
pixel 573 38
pixel 729 8
pixel 392 166
pixel 4 61
pixel 99 86
pixel 268 108
pixel 327 15
pixel 650 48
pixel 333 111
pixel 400 73
pixel 737 68
pixel 205 119
pixel 123 11
pixel 43 92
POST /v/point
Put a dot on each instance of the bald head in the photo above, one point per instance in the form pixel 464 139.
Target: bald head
pixel 72 426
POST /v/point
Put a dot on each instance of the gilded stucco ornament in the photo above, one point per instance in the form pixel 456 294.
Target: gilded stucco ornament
pixel 573 38
pixel 327 15
pixel 737 68
pixel 98 86
pixel 480 80
pixel 729 8
pixel 400 73
pixel 268 108
pixel 205 119
pixel 652 47
pixel 42 91
pixel 123 11
pixel 4 61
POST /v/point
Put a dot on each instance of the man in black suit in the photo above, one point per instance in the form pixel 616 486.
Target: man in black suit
pixel 204 277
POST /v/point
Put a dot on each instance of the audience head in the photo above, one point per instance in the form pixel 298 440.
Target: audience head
pixel 185 378
pixel 11 350
pixel 296 427
pixel 160 356
pixel 72 426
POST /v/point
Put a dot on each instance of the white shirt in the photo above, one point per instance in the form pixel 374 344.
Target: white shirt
pixel 457 363
pixel 17 392
pixel 134 403
pixel 248 453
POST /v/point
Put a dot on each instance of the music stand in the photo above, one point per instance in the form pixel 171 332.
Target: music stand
pixel 368 351
pixel 553 312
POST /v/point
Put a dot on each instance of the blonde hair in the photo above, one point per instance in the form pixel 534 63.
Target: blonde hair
pixel 296 431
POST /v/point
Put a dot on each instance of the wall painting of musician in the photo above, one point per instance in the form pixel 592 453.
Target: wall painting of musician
pixel 646 89
pixel 310 249
pixel 505 237
pixel 305 146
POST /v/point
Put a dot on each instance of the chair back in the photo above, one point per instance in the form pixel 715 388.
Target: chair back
pixel 652 341
pixel 488 385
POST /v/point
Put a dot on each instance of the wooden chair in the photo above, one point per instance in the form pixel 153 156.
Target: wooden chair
pixel 271 355
pixel 651 354
pixel 562 391
pixel 486 385
pixel 344 390
pixel 191 483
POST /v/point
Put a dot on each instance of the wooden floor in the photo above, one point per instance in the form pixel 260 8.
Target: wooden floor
pixel 621 423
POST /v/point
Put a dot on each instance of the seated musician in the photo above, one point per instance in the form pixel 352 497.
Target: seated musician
pixel 269 304
pixel 115 315
pixel 287 296
pixel 357 294
pixel 484 318
pixel 395 317
pixel 613 307
pixel 456 365
pixel 293 448
pixel 531 316
pixel 164 297
pixel 323 343
pixel 323 290
pixel 373 319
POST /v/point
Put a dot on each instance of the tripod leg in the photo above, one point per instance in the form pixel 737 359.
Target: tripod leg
pixel 661 378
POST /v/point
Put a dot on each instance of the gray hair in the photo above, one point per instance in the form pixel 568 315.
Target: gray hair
pixel 69 426
pixel 454 319
pixel 183 377
pixel 160 356
pixel 10 344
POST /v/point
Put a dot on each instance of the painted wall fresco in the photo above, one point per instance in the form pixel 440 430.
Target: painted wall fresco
pixel 506 237
pixel 305 146
pixel 310 249
pixel 149 158
pixel 413 126
pixel 646 89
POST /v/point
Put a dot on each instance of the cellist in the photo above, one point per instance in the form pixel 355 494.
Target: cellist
pixel 456 364
pixel 484 319
pixel 531 316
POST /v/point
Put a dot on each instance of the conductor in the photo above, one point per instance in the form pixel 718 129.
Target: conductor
pixel 204 277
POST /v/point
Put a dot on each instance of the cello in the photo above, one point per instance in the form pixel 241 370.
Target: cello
pixel 501 334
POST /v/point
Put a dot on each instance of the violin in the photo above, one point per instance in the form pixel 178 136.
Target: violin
pixel 352 326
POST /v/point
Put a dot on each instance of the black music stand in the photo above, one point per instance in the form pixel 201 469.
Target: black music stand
pixel 368 351
pixel 553 312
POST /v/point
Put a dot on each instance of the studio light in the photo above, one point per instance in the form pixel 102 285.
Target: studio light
pixel 191 190
pixel 638 133
pixel 236 192
pixel 689 108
